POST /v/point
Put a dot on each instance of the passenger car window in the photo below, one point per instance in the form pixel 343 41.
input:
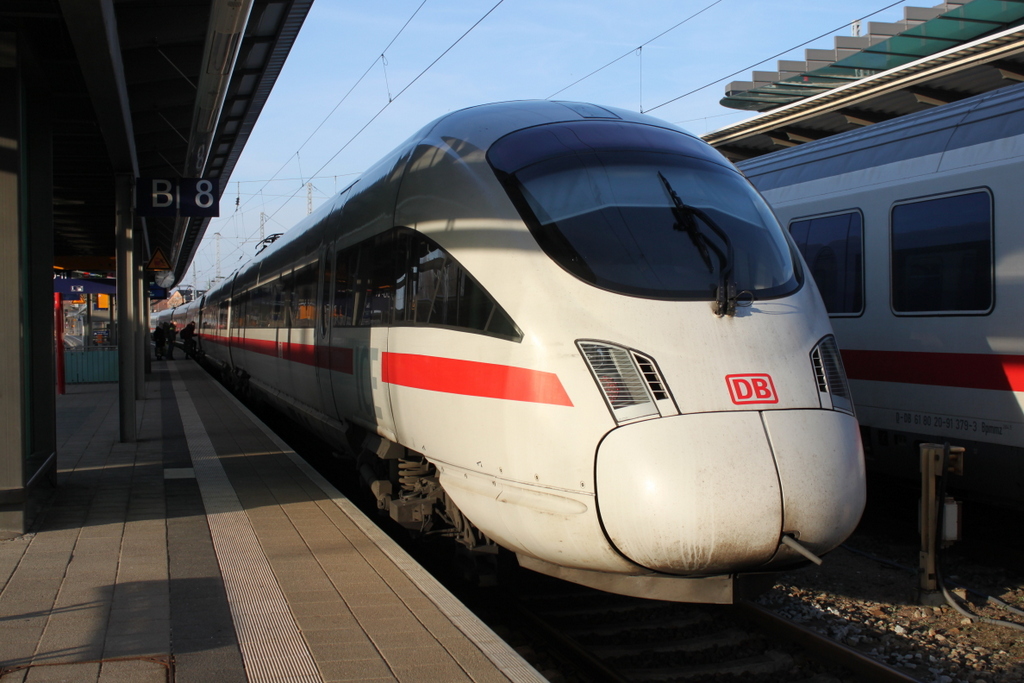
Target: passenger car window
pixel 445 294
pixel 405 278
pixel 377 280
pixel 833 248
pixel 345 287
pixel 942 255
pixel 303 301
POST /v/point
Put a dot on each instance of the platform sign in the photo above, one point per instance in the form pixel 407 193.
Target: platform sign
pixel 158 261
pixel 189 197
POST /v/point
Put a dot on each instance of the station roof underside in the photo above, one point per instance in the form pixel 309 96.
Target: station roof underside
pixel 133 88
pixel 939 55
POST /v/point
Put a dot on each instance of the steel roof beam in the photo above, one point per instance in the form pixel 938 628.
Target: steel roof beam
pixel 93 30
pixel 975 53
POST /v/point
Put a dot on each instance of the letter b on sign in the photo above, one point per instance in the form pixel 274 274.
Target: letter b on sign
pixel 198 197
pixel 163 193
pixel 747 389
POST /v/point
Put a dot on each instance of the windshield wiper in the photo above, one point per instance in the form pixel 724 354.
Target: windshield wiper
pixel 686 221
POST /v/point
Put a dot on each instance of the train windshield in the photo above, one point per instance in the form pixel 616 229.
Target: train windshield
pixel 644 211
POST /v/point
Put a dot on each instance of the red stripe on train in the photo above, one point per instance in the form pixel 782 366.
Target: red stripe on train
pixel 963 370
pixel 446 375
pixel 337 358
pixel 472 378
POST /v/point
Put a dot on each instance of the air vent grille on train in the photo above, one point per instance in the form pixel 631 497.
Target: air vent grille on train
pixel 630 381
pixel 830 375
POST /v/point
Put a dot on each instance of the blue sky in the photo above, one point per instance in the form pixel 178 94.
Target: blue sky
pixel 522 49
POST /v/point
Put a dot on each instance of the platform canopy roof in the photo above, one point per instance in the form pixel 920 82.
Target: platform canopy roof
pixel 936 55
pixel 150 88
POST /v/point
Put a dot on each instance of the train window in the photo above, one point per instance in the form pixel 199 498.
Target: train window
pixel 281 301
pixel 302 303
pixel 833 249
pixel 377 280
pixel 268 304
pixel 403 240
pixel 345 287
pixel 326 281
pixel 240 310
pixel 942 255
pixel 636 210
pixel 444 294
pixel 259 307
pixel 222 316
pixel 405 278
pixel 208 321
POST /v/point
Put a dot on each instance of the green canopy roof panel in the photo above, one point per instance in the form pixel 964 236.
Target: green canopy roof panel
pixel 958 25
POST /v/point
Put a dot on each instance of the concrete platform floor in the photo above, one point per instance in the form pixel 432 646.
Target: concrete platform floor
pixel 209 551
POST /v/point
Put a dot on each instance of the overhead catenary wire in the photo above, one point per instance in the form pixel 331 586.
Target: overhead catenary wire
pixel 267 182
pixel 379 112
pixel 412 82
pixel 350 91
pixel 635 50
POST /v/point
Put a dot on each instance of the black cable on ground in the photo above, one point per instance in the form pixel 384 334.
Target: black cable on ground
pixel 951 600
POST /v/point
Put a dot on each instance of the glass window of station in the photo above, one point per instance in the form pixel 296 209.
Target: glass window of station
pixel 942 255
pixel 833 247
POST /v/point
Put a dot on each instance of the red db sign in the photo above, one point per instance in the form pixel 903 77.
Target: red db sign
pixel 746 389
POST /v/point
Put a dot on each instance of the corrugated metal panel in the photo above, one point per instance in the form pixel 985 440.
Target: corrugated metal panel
pixel 90 365
pixel 978 119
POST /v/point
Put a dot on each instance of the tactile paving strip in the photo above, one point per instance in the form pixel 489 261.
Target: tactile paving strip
pixel 273 649
pixel 507 660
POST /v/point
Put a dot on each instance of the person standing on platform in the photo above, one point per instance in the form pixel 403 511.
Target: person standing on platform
pixel 188 339
pixel 172 336
pixel 159 339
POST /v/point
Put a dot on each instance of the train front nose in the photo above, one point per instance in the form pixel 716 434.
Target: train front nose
pixel 705 493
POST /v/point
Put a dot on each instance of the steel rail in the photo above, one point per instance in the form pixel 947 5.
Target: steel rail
pixel 822 647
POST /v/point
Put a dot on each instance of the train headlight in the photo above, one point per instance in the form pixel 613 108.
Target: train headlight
pixel 833 389
pixel 630 382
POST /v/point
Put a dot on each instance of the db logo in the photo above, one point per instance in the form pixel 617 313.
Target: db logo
pixel 746 389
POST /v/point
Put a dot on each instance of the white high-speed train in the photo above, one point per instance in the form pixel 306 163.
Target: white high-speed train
pixel 912 230
pixel 572 331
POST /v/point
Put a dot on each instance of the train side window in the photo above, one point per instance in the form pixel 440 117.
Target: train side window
pixel 942 255
pixel 269 298
pixel 404 311
pixel 833 247
pixel 326 281
pixel 345 266
pixel 445 294
pixel 261 304
pixel 283 295
pixel 303 299
pixel 240 310
pixel 222 316
pixel 376 280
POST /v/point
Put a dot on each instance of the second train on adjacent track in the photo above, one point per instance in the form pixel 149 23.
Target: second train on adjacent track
pixel 912 230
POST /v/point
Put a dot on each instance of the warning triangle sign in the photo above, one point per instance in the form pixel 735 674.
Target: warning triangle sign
pixel 158 261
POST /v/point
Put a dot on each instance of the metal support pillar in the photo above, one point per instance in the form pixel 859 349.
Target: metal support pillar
pixel 12 362
pixel 58 326
pixel 937 461
pixel 126 317
pixel 141 320
pixel 27 402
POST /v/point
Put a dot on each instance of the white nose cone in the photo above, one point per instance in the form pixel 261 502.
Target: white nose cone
pixel 692 494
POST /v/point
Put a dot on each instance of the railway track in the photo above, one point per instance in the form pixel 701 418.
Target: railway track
pixel 614 639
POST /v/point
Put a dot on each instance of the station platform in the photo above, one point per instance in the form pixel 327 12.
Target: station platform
pixel 209 551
